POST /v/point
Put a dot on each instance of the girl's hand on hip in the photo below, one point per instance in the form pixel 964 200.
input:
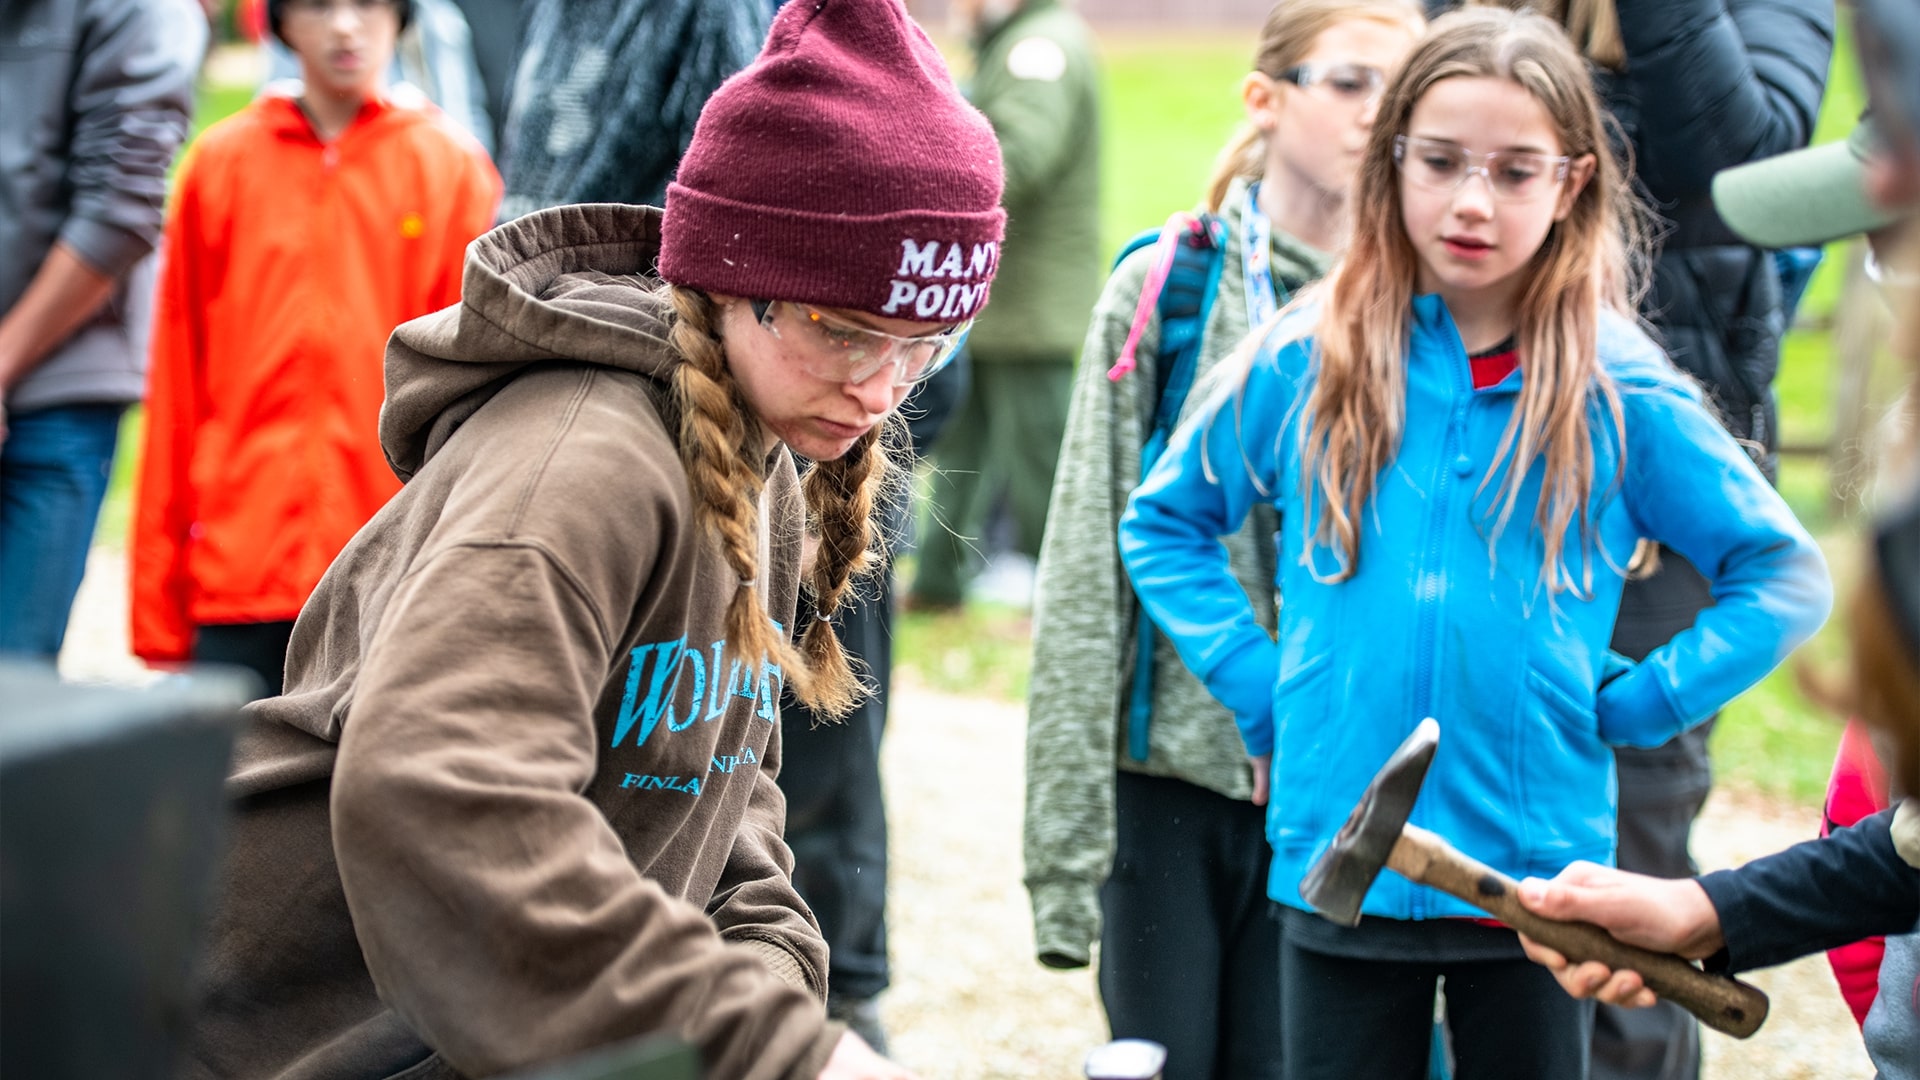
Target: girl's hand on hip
pixel 1262 775
pixel 853 1059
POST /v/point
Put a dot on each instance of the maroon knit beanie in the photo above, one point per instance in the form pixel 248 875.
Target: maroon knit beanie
pixel 840 168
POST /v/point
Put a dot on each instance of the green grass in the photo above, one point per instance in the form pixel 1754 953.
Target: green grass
pixel 217 101
pixel 1170 104
pixel 981 651
pixel 117 511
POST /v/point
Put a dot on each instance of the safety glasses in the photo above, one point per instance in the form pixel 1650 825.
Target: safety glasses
pixel 1354 84
pixel 1513 175
pixel 837 351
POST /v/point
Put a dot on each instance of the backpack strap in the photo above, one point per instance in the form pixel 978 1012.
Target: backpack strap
pixel 1181 287
pixel 1186 299
pixel 1166 243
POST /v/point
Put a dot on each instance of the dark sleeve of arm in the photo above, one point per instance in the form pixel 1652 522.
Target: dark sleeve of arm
pixel 755 903
pixel 1814 896
pixel 1722 82
pixel 131 101
pixel 719 39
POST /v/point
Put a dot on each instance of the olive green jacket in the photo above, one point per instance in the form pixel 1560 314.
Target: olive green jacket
pixel 1084 616
pixel 1036 80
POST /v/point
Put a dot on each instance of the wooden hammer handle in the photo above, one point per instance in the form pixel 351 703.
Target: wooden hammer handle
pixel 1721 1003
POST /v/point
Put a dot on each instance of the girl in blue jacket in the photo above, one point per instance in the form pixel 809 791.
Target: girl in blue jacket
pixel 1467 437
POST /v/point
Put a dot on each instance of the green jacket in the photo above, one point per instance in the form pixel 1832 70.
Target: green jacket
pixel 1036 80
pixel 1084 611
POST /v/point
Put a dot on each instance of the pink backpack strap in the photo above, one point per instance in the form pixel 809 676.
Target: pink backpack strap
pixel 1163 251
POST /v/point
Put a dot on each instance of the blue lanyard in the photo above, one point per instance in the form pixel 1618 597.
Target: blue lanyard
pixel 1256 246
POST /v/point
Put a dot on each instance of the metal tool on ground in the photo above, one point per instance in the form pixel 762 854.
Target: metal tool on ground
pixel 1377 834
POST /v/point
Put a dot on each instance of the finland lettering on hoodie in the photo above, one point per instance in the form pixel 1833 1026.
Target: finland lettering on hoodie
pixel 519 799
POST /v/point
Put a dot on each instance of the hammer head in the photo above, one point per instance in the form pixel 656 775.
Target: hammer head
pixel 1339 881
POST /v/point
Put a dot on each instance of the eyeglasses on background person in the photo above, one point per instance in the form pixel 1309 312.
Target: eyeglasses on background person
pixel 1357 84
pixel 839 351
pixel 1515 175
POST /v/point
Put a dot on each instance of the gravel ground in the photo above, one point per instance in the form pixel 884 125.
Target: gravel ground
pixel 970 1003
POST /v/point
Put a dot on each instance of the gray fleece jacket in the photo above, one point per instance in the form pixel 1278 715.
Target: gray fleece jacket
pixel 98 96
pixel 1085 616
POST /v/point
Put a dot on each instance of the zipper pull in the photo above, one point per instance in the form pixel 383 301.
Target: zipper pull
pixel 1462 461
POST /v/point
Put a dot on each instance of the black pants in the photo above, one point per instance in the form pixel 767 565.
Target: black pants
pixel 1347 1018
pixel 1661 792
pixel 260 647
pixel 1188 937
pixel 836 819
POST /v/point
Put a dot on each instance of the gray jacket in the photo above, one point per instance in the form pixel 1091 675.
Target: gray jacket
pixel 98 98
pixel 1892 1027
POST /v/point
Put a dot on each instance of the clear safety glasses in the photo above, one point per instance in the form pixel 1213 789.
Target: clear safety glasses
pixel 1354 84
pixel 1513 175
pixel 837 351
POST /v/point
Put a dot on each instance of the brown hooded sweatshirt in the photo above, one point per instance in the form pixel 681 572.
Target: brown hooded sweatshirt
pixel 519 800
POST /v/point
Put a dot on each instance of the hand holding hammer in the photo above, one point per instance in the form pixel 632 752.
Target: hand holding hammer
pixel 1377 834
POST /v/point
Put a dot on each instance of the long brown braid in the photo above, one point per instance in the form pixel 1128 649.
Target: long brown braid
pixel 718 441
pixel 718 437
pixel 841 496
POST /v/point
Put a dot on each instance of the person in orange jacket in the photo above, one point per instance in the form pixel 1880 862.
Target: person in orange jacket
pixel 303 230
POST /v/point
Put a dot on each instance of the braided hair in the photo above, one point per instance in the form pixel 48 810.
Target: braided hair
pixel 719 437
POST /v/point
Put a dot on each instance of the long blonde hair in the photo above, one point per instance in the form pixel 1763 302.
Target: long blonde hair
pixel 1588 263
pixel 719 449
pixel 1287 36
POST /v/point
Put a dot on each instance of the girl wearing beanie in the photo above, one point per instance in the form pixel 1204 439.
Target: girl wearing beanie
pixel 519 801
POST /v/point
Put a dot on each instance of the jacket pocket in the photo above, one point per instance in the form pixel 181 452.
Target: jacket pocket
pixel 1565 776
pixel 1561 706
pixel 1305 738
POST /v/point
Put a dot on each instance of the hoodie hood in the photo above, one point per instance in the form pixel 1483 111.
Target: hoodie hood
pixel 573 283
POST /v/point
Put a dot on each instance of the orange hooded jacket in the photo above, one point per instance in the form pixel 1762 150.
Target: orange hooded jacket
pixel 286 263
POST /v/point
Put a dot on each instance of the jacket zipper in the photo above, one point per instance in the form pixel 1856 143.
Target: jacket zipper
pixel 1451 452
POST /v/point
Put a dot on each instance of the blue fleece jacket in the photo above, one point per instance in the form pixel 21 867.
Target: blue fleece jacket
pixel 1433 622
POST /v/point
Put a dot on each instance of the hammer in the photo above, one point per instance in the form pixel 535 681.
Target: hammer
pixel 1377 834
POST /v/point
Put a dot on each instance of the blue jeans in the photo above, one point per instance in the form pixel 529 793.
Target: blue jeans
pixel 54 469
